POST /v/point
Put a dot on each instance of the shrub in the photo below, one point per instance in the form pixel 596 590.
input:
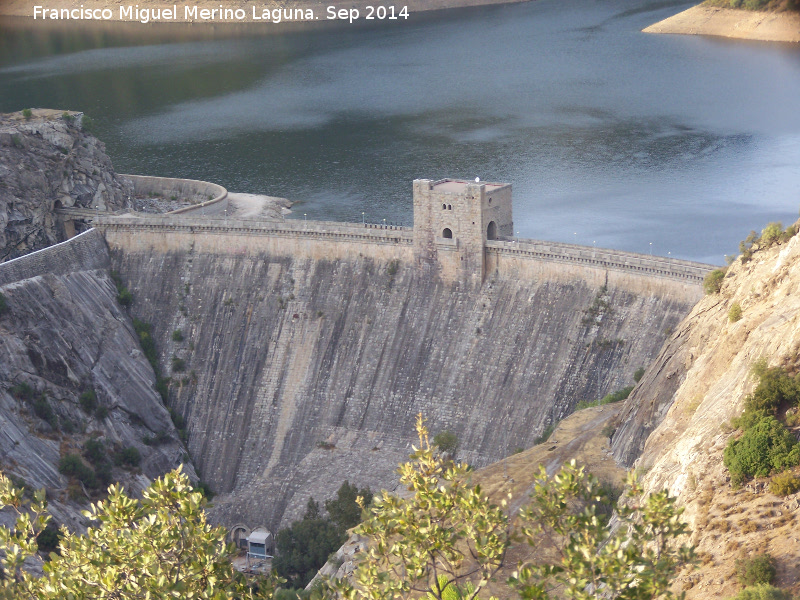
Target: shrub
pixel 784 484
pixel 43 410
pixel 178 365
pixel 712 284
pixel 773 231
pixel 757 570
pixel 101 412
pixel 611 398
pixel 548 431
pixel 638 374
pixel 67 117
pixel 104 474
pixel 446 441
pixel 205 489
pixel 22 391
pixel 124 297
pixel 129 456
pixel 3 305
pixel 27 113
pixel 735 312
pixel 762 591
pixel 71 465
pixel 94 450
pixel 49 538
pixel 88 400
pixel 87 123
pixel 766 446
pixel 177 335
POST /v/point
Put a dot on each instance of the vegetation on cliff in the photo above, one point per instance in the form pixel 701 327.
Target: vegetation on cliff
pixel 763 5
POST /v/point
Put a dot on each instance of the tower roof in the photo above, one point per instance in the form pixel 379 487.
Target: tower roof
pixel 459 186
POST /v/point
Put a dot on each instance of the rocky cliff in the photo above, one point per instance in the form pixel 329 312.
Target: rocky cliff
pixel 62 336
pixel 679 418
pixel 294 375
pixel 49 161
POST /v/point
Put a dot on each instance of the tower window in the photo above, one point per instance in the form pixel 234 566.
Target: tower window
pixel 444 206
pixel 447 233
pixel 449 207
pixel 491 231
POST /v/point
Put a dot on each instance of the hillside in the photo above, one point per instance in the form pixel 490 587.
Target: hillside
pixel 711 19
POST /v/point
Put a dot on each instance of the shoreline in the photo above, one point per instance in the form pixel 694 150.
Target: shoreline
pixel 732 23
pixel 253 13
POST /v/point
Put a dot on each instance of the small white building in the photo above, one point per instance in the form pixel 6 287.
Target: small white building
pixel 259 544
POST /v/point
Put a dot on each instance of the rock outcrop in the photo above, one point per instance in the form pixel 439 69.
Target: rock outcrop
pixel 48 161
pixel 62 335
pixel 679 417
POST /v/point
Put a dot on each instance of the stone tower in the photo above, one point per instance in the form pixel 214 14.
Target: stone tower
pixel 453 219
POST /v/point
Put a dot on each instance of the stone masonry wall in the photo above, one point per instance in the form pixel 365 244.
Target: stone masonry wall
pixel 84 252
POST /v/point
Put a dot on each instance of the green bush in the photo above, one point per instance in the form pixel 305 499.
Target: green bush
pixel 548 431
pixel 177 335
pixel 757 570
pixel 22 391
pixel 773 231
pixel 94 450
pixel 71 465
pixel 88 401
pixel 762 591
pixel 4 308
pixel 49 538
pixel 124 297
pixel 611 398
pixel 764 447
pixel 205 489
pixel 101 412
pixel 87 124
pixel 638 374
pixel 129 456
pixel 784 484
pixel 446 441
pixel 178 365
pixel 27 113
pixel 735 312
pixel 712 284
pixel 43 410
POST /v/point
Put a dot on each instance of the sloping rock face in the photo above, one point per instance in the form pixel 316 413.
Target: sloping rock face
pixel 48 161
pixel 294 375
pixel 63 335
pixel 680 415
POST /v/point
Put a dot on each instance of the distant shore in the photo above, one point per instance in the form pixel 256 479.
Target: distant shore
pixel 732 23
pixel 253 11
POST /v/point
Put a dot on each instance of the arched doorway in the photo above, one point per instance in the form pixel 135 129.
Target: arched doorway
pixel 491 231
pixel 447 233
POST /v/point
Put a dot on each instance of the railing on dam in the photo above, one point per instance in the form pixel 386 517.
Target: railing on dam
pixel 320 230
pixel 603 258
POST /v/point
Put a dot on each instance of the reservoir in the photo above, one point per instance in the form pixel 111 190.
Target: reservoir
pixel 674 145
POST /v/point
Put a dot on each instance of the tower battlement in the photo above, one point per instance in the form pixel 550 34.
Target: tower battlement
pixel 454 218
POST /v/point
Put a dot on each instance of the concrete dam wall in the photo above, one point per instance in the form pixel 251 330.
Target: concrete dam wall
pixel 308 348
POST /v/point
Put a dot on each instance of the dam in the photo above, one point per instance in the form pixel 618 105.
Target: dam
pixel 306 348
pixel 309 347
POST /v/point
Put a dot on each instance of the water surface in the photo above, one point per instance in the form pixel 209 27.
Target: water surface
pixel 669 144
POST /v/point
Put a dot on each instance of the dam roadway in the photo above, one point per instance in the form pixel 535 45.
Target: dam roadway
pixel 309 347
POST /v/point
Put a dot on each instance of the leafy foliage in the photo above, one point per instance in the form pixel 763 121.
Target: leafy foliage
pixel 784 484
pixel 303 548
pixel 611 398
pixel 158 547
pixel 4 308
pixel 446 441
pixel 765 446
pixel 638 374
pixel 636 562
pixel 757 570
pixel 735 312
pixel 762 591
pixel 344 511
pixel 712 283
pixel 88 401
pixel 416 541
pixel 71 465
